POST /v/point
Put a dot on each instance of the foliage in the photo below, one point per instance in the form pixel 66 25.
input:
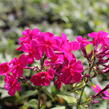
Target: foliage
pixel 73 17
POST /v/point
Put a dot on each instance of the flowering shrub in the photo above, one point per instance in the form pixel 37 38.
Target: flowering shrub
pixel 58 64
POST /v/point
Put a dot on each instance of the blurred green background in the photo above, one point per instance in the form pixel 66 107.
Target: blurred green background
pixel 73 17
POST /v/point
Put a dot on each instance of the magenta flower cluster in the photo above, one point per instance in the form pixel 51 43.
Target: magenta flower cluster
pixel 56 56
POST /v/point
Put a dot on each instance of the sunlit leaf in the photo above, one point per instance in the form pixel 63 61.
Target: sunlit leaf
pixel 68 99
pixel 59 107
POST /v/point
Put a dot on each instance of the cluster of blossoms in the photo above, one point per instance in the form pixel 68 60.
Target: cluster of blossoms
pixel 101 50
pixel 57 61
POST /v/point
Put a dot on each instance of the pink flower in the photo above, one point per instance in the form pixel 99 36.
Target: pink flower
pixel 38 43
pixel 95 101
pixel 18 64
pixel 47 44
pixel 28 35
pixel 12 84
pixel 58 83
pixel 104 94
pixel 81 43
pixel 78 43
pixel 30 59
pixel 96 88
pixel 4 68
pixel 66 46
pixel 100 41
pixel 55 60
pixel 72 73
pixel 42 78
pixel 75 45
pixel 67 70
pixel 100 38
pixel 29 43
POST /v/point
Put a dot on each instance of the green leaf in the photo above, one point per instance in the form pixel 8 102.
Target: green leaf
pixel 80 85
pixel 26 95
pixel 89 48
pixel 68 99
pixel 59 107
pixel 32 103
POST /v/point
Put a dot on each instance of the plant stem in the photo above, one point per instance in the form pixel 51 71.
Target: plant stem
pixel 39 98
pixel 39 101
pixel 91 67
pixel 78 103
pixel 42 62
